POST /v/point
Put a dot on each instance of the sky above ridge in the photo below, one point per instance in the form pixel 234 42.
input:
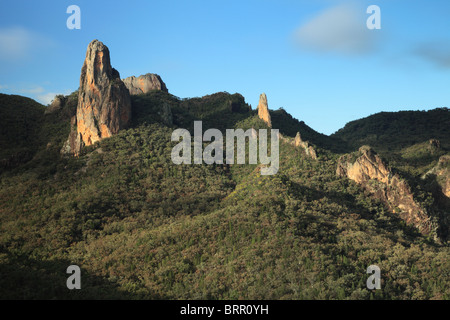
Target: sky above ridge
pixel 315 58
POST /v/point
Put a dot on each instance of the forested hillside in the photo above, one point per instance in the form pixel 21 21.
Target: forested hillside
pixel 140 226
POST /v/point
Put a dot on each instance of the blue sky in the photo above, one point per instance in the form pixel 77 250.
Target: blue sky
pixel 314 58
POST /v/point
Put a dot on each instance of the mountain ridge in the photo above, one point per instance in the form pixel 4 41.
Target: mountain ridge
pixel 142 227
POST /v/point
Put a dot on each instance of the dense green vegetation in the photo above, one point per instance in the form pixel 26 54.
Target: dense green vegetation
pixel 21 121
pixel 25 130
pixel 141 227
pixel 412 142
pixel 289 126
pixel 391 131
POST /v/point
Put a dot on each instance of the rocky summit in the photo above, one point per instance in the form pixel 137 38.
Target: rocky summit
pixel 144 83
pixel 104 104
pixel 263 110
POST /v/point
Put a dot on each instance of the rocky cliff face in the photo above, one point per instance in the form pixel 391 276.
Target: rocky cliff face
pixel 104 104
pixel 372 173
pixel 144 83
pixel 263 110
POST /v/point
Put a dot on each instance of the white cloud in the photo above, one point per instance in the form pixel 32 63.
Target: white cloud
pixel 32 90
pixel 436 52
pixel 36 92
pixel 339 29
pixel 46 98
pixel 17 43
pixel 14 43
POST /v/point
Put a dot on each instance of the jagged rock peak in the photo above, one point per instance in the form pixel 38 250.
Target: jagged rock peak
pixel 104 104
pixel 97 63
pixel 144 83
pixel 297 140
pixel 309 150
pixel 393 190
pixel 263 110
pixel 367 166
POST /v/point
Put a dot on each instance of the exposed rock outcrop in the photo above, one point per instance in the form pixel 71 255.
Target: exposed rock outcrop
pixel 372 173
pixel 310 152
pixel 144 83
pixel 57 104
pixel 299 143
pixel 435 145
pixel 64 106
pixel 263 110
pixel 442 172
pixel 104 104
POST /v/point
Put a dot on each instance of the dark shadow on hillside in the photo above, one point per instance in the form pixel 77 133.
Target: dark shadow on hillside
pixel 349 201
pixel 441 205
pixel 23 278
pixel 390 131
pixel 289 126
pixel 438 207
pixel 220 110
